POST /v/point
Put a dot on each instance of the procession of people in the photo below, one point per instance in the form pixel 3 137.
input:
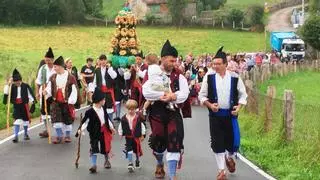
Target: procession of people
pixel 156 92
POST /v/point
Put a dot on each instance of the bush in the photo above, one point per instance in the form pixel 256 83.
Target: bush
pixel 310 32
pixel 150 18
pixel 235 15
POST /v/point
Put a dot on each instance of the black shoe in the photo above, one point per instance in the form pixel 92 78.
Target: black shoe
pixel 26 137
pixel 93 169
pixel 107 164
pixel 130 168
pixel 137 164
pixel 15 140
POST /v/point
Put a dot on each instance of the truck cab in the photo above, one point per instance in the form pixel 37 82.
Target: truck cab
pixel 292 50
pixel 288 45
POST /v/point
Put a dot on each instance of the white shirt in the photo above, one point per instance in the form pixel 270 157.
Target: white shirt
pixel 223 85
pixel 111 72
pixel 6 92
pixel 152 95
pixel 140 73
pixel 100 114
pixel 48 75
pixel 61 81
pixel 130 119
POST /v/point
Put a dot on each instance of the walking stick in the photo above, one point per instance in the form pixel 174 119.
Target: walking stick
pixel 47 119
pixel 78 148
pixel 8 108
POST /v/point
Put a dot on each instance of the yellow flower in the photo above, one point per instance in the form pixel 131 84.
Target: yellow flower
pixel 123 52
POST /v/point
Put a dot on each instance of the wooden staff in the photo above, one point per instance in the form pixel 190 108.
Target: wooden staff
pixel 47 119
pixel 78 148
pixel 8 108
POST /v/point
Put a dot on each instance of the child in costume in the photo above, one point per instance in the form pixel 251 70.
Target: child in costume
pixel 133 130
pixel 100 130
pixel 21 96
pixel 158 79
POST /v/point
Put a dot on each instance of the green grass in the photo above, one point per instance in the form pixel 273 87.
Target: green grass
pixel 24 47
pixel 242 3
pixel 295 160
pixel 303 84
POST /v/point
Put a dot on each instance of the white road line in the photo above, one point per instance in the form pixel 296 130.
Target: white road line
pixel 33 127
pixel 256 168
pixel 242 158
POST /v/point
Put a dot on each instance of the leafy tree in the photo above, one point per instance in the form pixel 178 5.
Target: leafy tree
pixel 314 7
pixel 235 15
pixel 176 8
pixel 255 14
pixel 213 4
pixel 310 31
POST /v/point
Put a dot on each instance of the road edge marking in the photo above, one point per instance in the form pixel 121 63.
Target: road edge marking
pixel 255 168
pixel 33 127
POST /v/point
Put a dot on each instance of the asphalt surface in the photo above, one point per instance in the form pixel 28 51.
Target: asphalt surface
pixel 37 160
pixel 280 20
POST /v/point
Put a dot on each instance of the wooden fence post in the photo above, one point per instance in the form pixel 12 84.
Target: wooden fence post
pixel 271 94
pixel 288 115
pixel 252 104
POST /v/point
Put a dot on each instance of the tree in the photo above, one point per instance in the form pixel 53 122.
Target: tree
pixel 314 7
pixel 213 4
pixel 255 14
pixel 235 15
pixel 200 6
pixel 310 31
pixel 139 9
pixel 93 7
pixel 176 8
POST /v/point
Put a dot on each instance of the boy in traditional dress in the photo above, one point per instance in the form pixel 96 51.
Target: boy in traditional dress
pixel 133 130
pixel 21 96
pixel 100 130
pixel 62 87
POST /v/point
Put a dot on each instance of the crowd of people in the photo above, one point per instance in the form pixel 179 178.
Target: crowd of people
pixel 158 89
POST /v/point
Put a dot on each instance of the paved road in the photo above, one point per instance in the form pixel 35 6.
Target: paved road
pixel 37 160
pixel 280 20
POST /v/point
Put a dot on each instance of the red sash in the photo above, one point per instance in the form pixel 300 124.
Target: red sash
pixel 105 89
pixel 107 136
pixel 26 107
pixel 137 85
pixel 59 96
pixel 136 139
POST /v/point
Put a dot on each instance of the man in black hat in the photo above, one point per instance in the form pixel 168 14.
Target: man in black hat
pixel 43 76
pixel 21 96
pixel 104 79
pixel 100 130
pixel 167 126
pixel 223 93
pixel 62 87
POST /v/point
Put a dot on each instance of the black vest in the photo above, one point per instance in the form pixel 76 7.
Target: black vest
pixel 126 128
pixel 109 80
pixel 24 94
pixel 213 95
pixel 94 125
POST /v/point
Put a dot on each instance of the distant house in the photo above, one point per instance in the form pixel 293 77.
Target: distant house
pixel 160 7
